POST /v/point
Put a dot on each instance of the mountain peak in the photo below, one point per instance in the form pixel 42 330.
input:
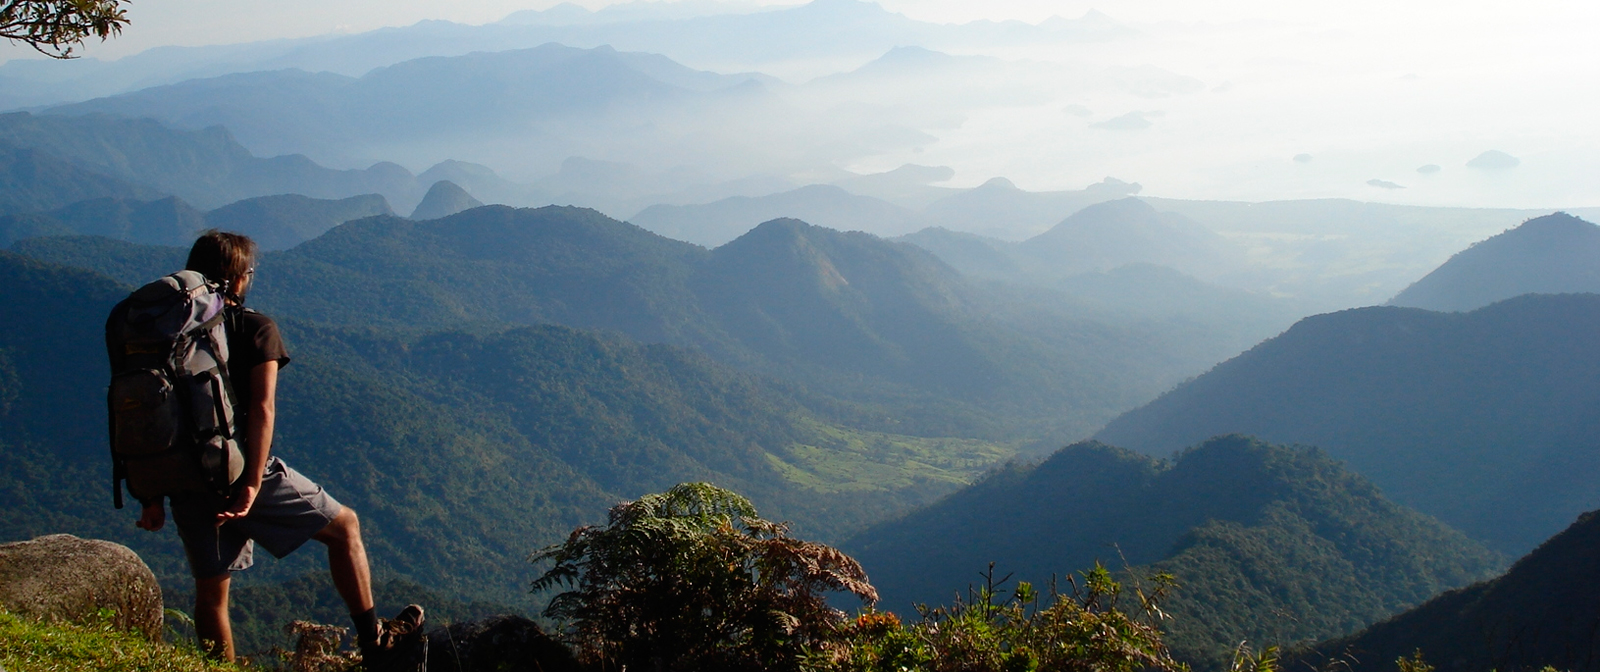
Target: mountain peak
pixel 444 198
pixel 1553 254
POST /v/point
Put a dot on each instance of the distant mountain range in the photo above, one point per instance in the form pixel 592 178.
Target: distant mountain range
pixel 1486 419
pixel 1539 614
pixel 838 30
pixel 207 168
pixel 823 205
pixel 275 222
pixel 473 104
pixel 1553 254
pixel 1268 544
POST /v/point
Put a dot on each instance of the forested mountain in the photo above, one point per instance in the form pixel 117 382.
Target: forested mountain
pixel 1554 254
pixel 32 180
pixel 275 222
pixel 1541 613
pixel 1268 544
pixel 462 452
pixel 166 221
pixel 847 313
pixel 1487 420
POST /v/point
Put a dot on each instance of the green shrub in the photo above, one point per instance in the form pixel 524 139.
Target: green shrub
pixel 1082 629
pixel 692 579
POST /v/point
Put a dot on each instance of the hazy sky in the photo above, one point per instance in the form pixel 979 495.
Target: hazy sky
pixel 1370 89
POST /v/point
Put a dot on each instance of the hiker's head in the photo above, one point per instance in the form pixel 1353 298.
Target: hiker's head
pixel 228 258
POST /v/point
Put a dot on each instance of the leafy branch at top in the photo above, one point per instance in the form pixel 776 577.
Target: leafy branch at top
pixel 56 27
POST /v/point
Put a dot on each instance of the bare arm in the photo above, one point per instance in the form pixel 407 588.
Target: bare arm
pixel 258 437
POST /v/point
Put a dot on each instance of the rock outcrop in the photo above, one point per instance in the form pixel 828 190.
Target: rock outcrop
pixel 497 643
pixel 62 577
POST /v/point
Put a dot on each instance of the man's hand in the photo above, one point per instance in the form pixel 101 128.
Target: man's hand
pixel 153 517
pixel 241 504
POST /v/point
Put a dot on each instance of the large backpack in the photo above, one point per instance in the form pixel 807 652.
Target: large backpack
pixel 170 400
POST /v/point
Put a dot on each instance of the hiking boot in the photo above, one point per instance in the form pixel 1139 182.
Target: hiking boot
pixel 400 647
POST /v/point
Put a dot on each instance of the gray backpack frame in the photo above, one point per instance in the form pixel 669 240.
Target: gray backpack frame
pixel 170 401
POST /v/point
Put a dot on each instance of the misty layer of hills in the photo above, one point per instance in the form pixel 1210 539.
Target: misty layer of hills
pixel 1484 419
pixel 844 30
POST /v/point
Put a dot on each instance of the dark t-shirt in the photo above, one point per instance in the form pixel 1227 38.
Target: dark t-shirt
pixel 252 340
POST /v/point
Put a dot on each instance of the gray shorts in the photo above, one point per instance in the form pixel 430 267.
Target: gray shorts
pixel 289 509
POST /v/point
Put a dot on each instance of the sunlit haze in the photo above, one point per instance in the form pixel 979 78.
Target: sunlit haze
pixel 1364 93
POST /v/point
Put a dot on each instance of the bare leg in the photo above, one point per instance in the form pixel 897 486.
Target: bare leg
pixel 211 616
pixel 347 560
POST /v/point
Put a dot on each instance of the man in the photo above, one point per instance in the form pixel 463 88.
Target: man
pixel 271 504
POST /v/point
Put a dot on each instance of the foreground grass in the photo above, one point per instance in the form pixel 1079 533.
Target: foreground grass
pixel 27 645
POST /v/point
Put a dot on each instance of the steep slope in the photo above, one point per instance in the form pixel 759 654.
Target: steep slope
pixel 1486 420
pixel 443 199
pixel 32 180
pixel 1269 544
pixel 283 221
pixel 714 224
pixel 1541 613
pixel 1554 254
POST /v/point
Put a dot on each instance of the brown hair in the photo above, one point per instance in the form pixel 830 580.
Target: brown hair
pixel 222 256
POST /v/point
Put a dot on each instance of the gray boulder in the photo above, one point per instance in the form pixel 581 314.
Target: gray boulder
pixel 62 577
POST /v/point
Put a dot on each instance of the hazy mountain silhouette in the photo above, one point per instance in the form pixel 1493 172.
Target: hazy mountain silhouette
pixel 1107 235
pixel 845 29
pixel 207 168
pixel 1332 254
pixel 286 220
pixel 32 180
pixel 910 186
pixel 275 222
pixel 1484 419
pixel 1268 543
pixel 1540 613
pixel 167 221
pixel 716 223
pixel 1553 254
pixel 471 100
pixel 999 209
pixel 444 198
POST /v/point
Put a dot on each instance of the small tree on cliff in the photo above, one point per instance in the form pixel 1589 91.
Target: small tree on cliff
pixel 692 579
